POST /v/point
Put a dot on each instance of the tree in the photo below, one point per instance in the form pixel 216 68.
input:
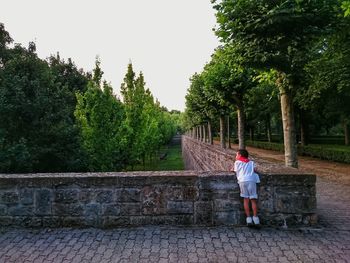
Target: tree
pixel 147 126
pixel 100 116
pixel 328 77
pixel 36 127
pixel 199 108
pixel 228 82
pixel 275 34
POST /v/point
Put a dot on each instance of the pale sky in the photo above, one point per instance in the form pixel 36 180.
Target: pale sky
pixel 167 40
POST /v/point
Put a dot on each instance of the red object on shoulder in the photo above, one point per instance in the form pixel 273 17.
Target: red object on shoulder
pixel 243 159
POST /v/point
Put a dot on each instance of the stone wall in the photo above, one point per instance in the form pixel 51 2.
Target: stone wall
pixel 286 195
pixel 141 198
pixel 119 199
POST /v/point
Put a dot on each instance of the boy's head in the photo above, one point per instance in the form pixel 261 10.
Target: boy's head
pixel 243 153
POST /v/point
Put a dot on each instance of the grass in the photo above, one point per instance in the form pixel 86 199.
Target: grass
pixel 172 162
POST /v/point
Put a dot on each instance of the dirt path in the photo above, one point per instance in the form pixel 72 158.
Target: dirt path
pixel 333 171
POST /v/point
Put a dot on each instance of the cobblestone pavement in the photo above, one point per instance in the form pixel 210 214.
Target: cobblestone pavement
pixel 328 242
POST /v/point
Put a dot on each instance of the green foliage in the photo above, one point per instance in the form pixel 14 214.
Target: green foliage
pixel 149 125
pixel 273 34
pixel 37 126
pixel 101 120
pixel 346 7
pixel 172 162
pixel 267 145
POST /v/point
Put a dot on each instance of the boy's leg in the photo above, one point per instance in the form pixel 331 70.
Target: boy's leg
pixel 256 219
pixel 254 207
pixel 246 207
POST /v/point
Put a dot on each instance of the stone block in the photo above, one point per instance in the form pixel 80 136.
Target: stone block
pixel 66 196
pixel 266 199
pixel 182 193
pixel 203 213
pixel 226 205
pixel 205 195
pixel 68 209
pixel 294 199
pixel 6 221
pixel 153 200
pixel 228 218
pixel 43 201
pixel 3 210
pixel 128 209
pixel 111 210
pixel 104 196
pixel 93 210
pixel 20 210
pixel 87 196
pixel 9 197
pixel 179 207
pixel 128 195
pixel 218 183
pixel 27 196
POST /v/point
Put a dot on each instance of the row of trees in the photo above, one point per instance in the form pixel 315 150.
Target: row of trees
pixel 293 53
pixel 57 118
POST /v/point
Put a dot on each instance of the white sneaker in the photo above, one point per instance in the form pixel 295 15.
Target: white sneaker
pixel 249 221
pixel 256 220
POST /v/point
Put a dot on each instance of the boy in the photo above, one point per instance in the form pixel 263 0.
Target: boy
pixel 247 180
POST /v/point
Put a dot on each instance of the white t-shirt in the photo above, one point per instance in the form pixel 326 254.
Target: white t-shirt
pixel 245 172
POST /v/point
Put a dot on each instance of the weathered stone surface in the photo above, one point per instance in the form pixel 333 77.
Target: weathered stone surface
pixel 179 207
pixel 20 210
pixel 3 210
pixel 130 209
pixel 43 201
pixel 68 210
pixel 203 213
pixel 87 195
pixel 27 196
pixel 266 199
pixel 66 196
pixel 227 205
pixel 111 210
pixel 229 218
pixel 128 195
pixel 93 210
pixel 104 196
pixel 153 200
pixel 9 197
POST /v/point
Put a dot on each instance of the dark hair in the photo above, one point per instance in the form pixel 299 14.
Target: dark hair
pixel 243 153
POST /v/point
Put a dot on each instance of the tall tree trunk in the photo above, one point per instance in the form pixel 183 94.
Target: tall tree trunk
pixel 268 127
pixel 228 132
pixel 204 133
pixel 222 132
pixel 200 133
pixel 210 135
pixel 289 136
pixel 241 124
pixel 346 132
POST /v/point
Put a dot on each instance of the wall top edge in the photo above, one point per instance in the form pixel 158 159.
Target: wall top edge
pixel 171 174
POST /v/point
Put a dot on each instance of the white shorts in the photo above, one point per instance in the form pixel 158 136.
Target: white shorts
pixel 248 190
